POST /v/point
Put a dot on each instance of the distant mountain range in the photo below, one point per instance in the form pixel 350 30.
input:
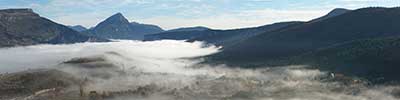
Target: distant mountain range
pixel 118 27
pixel 227 38
pixel 196 28
pixel 177 34
pixel 24 27
pixel 213 36
pixel 184 33
pixel 78 28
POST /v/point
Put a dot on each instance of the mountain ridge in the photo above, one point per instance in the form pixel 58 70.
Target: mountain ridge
pixel 118 27
pixel 25 27
pixel 217 37
pixel 78 28
pixel 358 24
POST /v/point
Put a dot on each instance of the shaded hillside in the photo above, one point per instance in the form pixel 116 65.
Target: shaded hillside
pixel 176 35
pixel 118 27
pixel 333 13
pixel 227 38
pixel 217 37
pixel 78 28
pixel 146 28
pixel 197 28
pixel 377 59
pixel 24 27
pixel 291 41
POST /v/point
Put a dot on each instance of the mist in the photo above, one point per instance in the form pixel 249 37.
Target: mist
pixel 160 70
pixel 44 56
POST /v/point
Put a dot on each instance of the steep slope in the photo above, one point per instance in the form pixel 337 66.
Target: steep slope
pixel 375 59
pixel 78 28
pixel 118 27
pixel 291 41
pixel 115 27
pixel 24 27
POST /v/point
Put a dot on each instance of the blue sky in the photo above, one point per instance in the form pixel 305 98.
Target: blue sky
pixel 169 14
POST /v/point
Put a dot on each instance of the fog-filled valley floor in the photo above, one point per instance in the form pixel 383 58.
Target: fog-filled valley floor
pixel 164 70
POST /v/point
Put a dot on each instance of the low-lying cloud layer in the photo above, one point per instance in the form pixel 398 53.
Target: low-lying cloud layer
pixel 158 70
pixel 158 52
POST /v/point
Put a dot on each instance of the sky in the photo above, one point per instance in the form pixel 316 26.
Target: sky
pixel 170 14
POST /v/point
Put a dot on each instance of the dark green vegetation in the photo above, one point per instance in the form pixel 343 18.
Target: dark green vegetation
pixel 361 42
pixel 118 27
pixel 291 41
pixel 376 59
pixel 24 27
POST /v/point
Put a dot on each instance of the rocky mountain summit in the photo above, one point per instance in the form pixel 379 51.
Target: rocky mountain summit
pixel 118 27
pixel 25 27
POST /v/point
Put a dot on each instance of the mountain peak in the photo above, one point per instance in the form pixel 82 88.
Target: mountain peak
pixel 25 27
pixel 18 12
pixel 118 17
pixel 118 14
pixel 335 12
pixel 338 11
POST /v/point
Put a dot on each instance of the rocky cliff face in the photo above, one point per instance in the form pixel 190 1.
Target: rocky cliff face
pixel 18 13
pixel 25 27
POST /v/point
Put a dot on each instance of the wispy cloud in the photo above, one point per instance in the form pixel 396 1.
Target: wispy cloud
pixel 182 13
pixel 239 19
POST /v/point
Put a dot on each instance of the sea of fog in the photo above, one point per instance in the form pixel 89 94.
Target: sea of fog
pixel 165 68
pixel 154 53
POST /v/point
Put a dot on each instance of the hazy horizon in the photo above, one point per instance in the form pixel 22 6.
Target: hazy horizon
pixel 224 14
